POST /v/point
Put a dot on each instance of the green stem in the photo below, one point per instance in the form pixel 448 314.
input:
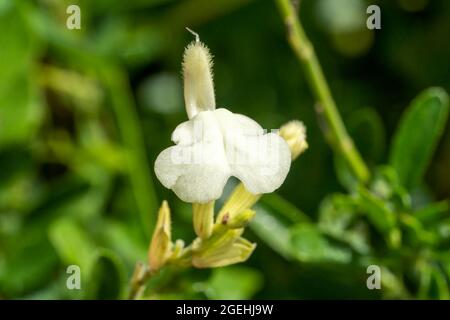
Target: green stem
pixel 337 136
pixel 137 285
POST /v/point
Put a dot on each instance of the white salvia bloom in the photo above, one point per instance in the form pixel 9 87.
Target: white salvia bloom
pixel 215 144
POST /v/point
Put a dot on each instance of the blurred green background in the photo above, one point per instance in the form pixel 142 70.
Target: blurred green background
pixel 84 113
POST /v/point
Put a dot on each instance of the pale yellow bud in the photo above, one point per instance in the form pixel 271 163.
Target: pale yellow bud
pixel 223 250
pixel 177 249
pixel 294 133
pixel 240 200
pixel 161 245
pixel 203 218
pixel 239 220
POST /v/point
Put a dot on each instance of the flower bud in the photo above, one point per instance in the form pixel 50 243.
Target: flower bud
pixel 294 133
pixel 203 218
pixel 239 220
pixel 229 248
pixel 240 200
pixel 177 249
pixel 161 246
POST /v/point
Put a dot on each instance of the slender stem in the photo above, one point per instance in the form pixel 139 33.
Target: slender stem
pixel 337 136
pixel 138 281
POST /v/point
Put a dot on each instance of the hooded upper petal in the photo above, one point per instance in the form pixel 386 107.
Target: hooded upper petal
pixel 198 79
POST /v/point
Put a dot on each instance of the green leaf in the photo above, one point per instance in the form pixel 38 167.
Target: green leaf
pixel 344 173
pixel 124 240
pixel 376 210
pixel 433 212
pixel 338 218
pixel 310 246
pixel 284 208
pixel 272 230
pixel 27 266
pixel 72 243
pixel 107 277
pixel 415 233
pixel 443 232
pixel 433 283
pixel 444 258
pixel 18 42
pixel 380 215
pixel 21 109
pixel 393 285
pixel 387 187
pixel 234 283
pixel 418 133
pixel 424 281
pixel 274 214
pixel 366 128
pixel 442 288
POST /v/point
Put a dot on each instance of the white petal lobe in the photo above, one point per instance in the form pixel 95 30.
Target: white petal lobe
pixel 260 160
pixel 214 145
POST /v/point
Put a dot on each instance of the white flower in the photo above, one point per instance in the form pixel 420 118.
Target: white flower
pixel 215 144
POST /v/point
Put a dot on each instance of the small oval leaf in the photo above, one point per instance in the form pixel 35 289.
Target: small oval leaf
pixel 416 138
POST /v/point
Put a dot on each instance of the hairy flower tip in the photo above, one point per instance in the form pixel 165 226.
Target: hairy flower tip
pixel 161 245
pixel 198 79
pixel 294 133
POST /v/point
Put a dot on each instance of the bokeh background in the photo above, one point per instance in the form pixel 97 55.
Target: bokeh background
pixel 84 113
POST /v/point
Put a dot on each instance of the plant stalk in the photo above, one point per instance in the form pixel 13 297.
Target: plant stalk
pixel 337 136
pixel 140 276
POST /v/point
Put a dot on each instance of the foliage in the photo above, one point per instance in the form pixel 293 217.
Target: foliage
pixel 83 114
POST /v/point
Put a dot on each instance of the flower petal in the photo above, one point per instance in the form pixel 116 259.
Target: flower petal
pixel 214 145
pixel 260 160
pixel 198 79
pixel 197 168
